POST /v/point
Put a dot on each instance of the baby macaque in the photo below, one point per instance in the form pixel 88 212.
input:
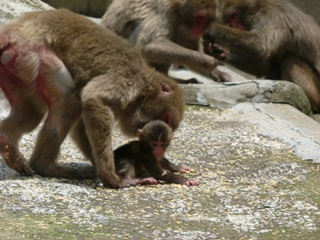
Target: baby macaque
pixel 144 161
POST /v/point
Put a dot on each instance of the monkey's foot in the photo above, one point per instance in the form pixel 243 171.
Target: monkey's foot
pixel 13 158
pixel 148 180
pixel 191 183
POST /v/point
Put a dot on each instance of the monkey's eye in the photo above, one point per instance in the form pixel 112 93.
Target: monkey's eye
pixel 154 145
pixel 163 145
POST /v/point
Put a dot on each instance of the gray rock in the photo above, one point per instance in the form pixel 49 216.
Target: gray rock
pixel 226 95
pixel 12 8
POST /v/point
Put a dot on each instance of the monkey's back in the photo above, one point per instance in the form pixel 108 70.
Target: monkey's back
pixel 86 49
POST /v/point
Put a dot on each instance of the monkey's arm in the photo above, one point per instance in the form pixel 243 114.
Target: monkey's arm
pixel 166 51
pixel 166 164
pixel 155 170
pixel 245 50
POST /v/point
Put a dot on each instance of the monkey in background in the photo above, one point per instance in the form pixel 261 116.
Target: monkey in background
pixel 269 38
pixel 144 159
pixel 167 32
pixel 85 77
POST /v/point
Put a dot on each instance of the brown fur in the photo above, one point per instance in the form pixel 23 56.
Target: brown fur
pixel 86 77
pixel 143 160
pixel 162 31
pixel 269 38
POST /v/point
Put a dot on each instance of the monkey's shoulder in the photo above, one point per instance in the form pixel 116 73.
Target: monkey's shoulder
pixel 131 149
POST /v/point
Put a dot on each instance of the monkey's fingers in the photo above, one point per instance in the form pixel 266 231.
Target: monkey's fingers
pixel 191 183
pixel 220 76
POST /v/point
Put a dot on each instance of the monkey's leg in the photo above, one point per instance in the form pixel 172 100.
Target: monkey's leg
pixel 301 73
pixel 80 137
pixel 22 119
pixel 60 118
pixel 57 88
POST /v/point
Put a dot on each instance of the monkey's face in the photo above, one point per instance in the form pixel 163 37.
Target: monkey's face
pixel 239 13
pixel 156 137
pixel 194 16
pixel 166 104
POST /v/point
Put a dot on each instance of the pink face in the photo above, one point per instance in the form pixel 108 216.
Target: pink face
pixel 158 148
pixel 199 25
pixel 234 21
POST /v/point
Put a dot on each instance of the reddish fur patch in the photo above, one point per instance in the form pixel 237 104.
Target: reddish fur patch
pixel 42 89
pixel 199 24
pixel 235 21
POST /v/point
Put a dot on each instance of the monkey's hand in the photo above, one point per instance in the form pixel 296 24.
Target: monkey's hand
pixel 211 48
pixel 217 51
pixel 220 76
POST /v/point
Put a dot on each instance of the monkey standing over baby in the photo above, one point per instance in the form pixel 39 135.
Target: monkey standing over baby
pixel 166 32
pixel 85 77
pixel 144 159
pixel 270 38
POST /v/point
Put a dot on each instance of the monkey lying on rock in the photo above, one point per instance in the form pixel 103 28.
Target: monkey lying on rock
pixel 144 159
pixel 270 38
pixel 167 32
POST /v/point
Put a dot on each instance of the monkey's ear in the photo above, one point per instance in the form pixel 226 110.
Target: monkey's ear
pixel 166 89
pixel 139 134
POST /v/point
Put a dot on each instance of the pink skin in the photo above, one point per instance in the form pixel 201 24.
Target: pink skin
pixel 191 183
pixel 200 24
pixel 234 21
pixel 143 181
pixel 158 149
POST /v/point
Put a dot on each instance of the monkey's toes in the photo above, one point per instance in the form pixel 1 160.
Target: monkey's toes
pixel 192 183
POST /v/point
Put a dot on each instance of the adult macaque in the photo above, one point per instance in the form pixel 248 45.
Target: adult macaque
pixel 270 38
pixel 144 159
pixel 85 77
pixel 166 32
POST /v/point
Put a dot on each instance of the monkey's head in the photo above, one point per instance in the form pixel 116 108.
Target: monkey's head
pixel 162 100
pixel 194 16
pixel 155 136
pixel 240 13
